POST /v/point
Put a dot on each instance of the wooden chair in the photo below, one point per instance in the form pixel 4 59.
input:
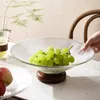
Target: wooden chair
pixel 95 14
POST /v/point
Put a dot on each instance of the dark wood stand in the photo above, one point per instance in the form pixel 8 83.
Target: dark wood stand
pixel 51 78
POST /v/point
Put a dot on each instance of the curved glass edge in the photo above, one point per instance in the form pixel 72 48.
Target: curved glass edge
pixel 49 67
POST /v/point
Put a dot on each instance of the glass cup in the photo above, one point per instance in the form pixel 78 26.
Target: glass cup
pixel 4 36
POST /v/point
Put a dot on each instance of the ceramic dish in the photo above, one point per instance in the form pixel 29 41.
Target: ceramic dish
pixel 19 83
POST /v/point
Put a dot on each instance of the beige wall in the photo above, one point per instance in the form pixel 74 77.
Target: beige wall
pixel 58 17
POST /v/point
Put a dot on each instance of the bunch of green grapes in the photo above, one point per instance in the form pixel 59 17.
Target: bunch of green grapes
pixel 52 57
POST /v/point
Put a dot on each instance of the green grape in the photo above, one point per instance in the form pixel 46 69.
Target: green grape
pixel 61 63
pixel 45 62
pixel 62 54
pixel 50 62
pixel 71 58
pixel 48 57
pixel 41 56
pixel 65 50
pixel 50 48
pixel 56 60
pixel 41 63
pixel 65 61
pixel 52 57
pixel 50 53
pixel 34 63
pixel 40 52
pixel 65 55
pixel 44 53
pixel 57 51
pixel 60 57
pixel 35 55
pixel 36 60
pixel 31 59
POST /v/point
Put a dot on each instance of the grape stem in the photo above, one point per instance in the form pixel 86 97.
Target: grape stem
pixel 70 47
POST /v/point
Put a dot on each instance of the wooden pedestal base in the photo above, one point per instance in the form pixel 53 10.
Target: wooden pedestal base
pixel 51 78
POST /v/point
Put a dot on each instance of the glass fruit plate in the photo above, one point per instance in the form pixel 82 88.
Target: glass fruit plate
pixel 26 48
pixel 19 82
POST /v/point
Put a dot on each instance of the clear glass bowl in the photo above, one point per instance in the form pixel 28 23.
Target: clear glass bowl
pixel 24 49
pixel 19 82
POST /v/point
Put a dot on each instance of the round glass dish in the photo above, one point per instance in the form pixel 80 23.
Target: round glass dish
pixel 24 49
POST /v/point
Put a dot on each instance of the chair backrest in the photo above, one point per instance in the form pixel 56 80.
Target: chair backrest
pixel 95 14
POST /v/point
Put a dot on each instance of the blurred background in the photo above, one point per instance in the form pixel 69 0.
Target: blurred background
pixel 58 16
